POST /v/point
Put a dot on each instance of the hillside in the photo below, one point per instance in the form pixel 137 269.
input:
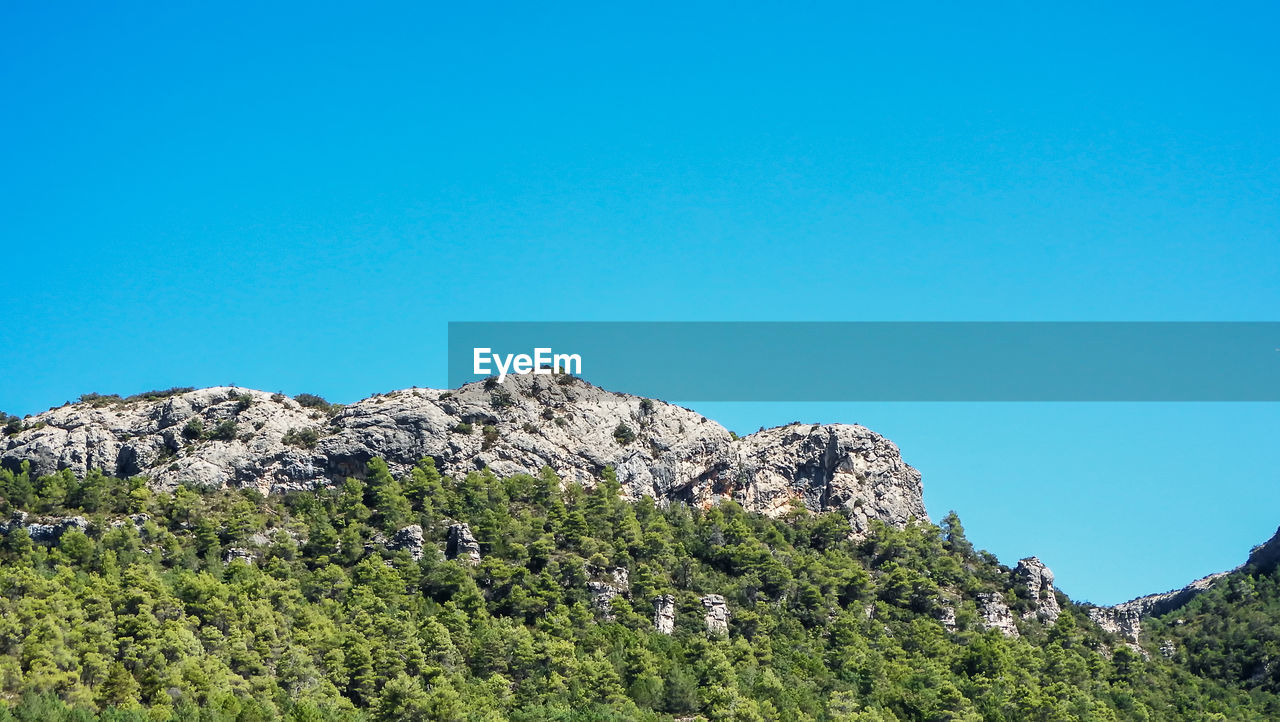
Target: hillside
pixel 434 589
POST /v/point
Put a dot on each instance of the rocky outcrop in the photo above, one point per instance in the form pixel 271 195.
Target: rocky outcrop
pixel 410 539
pixel 717 616
pixel 1118 620
pixel 1037 580
pixel 45 531
pixel 664 614
pixel 240 553
pixel 946 614
pixel 461 545
pixel 1126 619
pixel 227 436
pixel 604 591
pixel 993 613
pixel 1264 557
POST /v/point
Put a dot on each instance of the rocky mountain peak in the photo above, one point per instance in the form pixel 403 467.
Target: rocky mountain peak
pixel 229 436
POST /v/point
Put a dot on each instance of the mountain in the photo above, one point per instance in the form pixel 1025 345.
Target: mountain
pixel 547 550
pixel 242 438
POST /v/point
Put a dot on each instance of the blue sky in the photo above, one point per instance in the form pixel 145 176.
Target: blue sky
pixel 300 197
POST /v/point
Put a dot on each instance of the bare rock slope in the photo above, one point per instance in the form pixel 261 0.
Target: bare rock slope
pixel 228 436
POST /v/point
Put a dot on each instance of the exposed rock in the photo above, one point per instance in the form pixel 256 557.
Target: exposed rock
pixel 603 592
pixel 461 545
pixel 44 531
pixel 234 553
pixel 1265 556
pixel 1168 649
pixel 138 521
pixel 1038 582
pixel 664 614
pixel 1120 620
pixel 717 614
pixel 410 539
pixel 947 614
pixel 1126 619
pixel 995 614
pixel 677 454
pixel 1156 604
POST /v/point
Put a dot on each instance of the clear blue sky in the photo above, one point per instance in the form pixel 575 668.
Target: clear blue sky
pixel 299 198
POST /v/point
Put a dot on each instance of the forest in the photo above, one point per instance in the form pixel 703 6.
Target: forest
pixel 224 604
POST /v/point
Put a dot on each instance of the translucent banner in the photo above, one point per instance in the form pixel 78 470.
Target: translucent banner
pixel 889 361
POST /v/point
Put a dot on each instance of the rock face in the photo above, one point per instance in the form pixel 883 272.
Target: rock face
pixel 717 614
pixel 1038 582
pixel 1126 619
pixel 664 614
pixel 1119 620
pixel 461 545
pixel 604 591
pixel 410 539
pixel 947 614
pixel 235 437
pixel 234 553
pixel 44 530
pixel 995 614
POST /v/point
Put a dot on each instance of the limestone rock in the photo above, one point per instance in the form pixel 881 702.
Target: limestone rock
pixel 603 592
pixel 45 531
pixel 1037 579
pixel 234 553
pixel 717 616
pixel 947 614
pixel 995 614
pixel 561 422
pixel 1120 620
pixel 410 539
pixel 664 614
pixel 461 545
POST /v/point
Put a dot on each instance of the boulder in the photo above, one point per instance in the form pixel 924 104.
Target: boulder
pixel 995 614
pixel 461 545
pixel 717 616
pixel 410 539
pixel 664 614
pixel 1037 580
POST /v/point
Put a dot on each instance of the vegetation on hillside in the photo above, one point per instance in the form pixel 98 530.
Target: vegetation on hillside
pixel 227 605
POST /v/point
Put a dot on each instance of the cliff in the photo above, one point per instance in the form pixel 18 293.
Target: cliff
pixel 235 437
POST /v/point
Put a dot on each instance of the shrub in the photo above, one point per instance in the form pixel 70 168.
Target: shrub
pixel 623 434
pixel 12 424
pixel 97 400
pixel 157 394
pixel 529 428
pixel 646 405
pixel 462 428
pixel 311 401
pixel 304 438
pixel 224 431
pixel 490 436
pixel 194 429
pixel 243 402
pixel 548 414
pixel 500 399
